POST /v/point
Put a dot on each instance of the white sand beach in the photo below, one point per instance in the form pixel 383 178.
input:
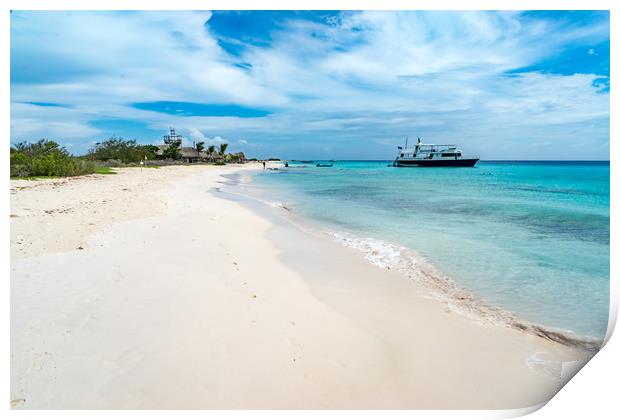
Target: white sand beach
pixel 149 290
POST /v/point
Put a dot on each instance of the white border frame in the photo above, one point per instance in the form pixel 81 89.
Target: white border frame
pixel 591 394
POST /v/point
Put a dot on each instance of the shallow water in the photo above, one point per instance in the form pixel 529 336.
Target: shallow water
pixel 531 238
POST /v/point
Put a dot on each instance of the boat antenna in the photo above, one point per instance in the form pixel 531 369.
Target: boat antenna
pixel 406 141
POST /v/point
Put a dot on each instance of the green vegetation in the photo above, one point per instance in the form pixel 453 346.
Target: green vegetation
pixel 235 157
pixel 125 151
pixel 173 151
pixel 210 152
pixel 46 158
pixel 223 148
pixel 104 170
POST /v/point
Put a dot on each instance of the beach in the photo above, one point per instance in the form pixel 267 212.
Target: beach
pixel 153 289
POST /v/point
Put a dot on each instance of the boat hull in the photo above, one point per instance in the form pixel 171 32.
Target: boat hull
pixel 436 162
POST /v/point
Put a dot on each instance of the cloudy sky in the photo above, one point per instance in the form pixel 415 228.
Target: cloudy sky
pixel 503 85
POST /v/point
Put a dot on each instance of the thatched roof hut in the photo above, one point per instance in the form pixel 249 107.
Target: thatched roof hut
pixel 188 154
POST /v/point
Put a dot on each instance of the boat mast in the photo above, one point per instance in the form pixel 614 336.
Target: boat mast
pixel 406 141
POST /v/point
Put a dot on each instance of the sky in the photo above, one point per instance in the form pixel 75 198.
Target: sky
pixel 317 85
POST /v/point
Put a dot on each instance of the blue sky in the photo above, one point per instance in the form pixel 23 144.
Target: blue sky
pixel 325 84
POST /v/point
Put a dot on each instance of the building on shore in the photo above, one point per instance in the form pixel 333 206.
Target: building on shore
pixel 190 154
pixel 172 139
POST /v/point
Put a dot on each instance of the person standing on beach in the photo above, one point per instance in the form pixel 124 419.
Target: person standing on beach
pixel 263 165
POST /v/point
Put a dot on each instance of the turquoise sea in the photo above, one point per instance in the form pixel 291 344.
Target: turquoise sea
pixel 529 237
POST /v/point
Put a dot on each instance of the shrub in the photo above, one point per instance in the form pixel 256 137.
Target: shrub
pixel 83 166
pixel 235 157
pixel 46 158
pixel 173 151
pixel 113 163
pixel 117 149
pixel 149 151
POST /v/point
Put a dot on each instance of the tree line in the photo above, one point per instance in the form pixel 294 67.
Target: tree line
pixel 48 158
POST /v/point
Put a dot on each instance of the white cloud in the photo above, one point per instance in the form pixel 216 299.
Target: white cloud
pixel 216 140
pixel 196 135
pixel 31 122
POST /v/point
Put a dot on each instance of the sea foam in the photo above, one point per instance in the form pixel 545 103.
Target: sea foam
pixel 456 298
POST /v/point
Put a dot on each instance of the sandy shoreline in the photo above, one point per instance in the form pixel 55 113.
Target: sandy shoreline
pixel 147 290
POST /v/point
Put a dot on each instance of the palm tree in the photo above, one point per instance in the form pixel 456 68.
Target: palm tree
pixel 211 151
pixel 223 147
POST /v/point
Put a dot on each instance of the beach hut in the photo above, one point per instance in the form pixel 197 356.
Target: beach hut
pixel 189 154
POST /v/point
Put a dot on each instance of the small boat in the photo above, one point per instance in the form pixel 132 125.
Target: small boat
pixel 324 165
pixel 433 155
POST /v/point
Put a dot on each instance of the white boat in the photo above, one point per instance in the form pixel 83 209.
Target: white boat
pixel 433 155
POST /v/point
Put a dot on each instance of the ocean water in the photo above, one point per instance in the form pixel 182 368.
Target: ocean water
pixel 531 238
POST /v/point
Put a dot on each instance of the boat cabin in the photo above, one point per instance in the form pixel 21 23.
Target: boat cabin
pixel 430 151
